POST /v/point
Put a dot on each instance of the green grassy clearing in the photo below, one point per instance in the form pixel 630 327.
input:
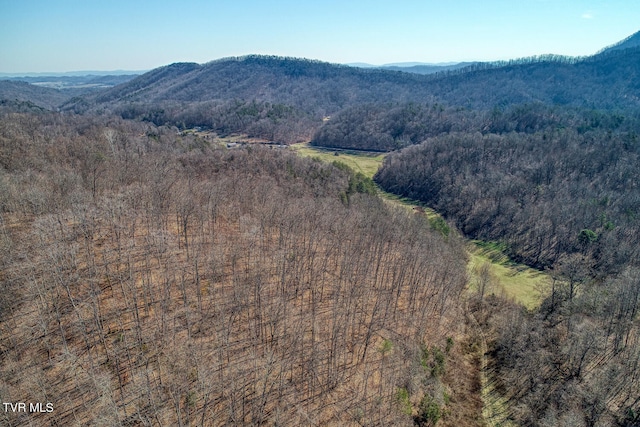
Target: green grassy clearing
pixel 515 281
pixel 364 162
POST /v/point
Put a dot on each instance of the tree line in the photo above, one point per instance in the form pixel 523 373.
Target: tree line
pixel 392 126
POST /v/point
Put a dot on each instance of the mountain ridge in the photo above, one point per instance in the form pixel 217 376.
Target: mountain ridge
pixel 630 42
pixel 311 84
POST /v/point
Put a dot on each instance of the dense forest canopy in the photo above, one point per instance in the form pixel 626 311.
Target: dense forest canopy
pixel 508 187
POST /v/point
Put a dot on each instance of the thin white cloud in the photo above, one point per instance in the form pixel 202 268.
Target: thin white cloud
pixel 588 15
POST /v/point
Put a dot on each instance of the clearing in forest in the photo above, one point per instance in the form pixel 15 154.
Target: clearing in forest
pixel 506 278
pixel 365 162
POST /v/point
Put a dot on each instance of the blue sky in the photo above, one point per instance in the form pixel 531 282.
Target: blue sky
pixel 68 35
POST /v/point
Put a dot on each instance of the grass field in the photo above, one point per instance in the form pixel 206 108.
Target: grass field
pixel 364 162
pixel 514 281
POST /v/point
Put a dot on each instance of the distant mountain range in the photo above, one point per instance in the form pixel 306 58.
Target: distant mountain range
pixel 428 68
pixel 73 81
pixel 609 79
pixel 73 74
pixel 40 96
pixel 416 67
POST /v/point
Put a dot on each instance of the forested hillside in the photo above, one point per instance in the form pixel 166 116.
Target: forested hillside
pixel 564 199
pixel 605 81
pixel 508 187
pixel 323 87
pixel 151 279
pixel 631 42
pixel 388 127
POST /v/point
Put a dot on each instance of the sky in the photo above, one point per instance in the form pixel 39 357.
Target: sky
pixel 73 35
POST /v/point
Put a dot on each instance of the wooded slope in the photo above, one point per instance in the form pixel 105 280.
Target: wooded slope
pixel 148 278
